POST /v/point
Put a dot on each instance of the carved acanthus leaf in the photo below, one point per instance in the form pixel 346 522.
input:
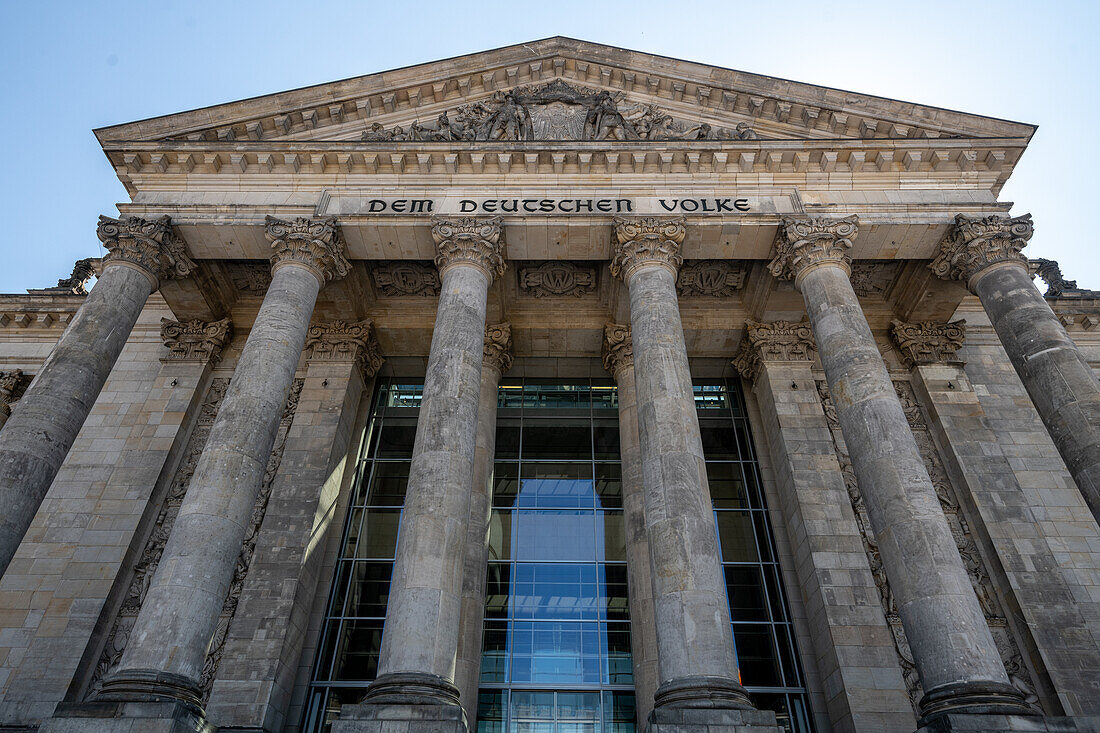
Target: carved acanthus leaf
pixel 773 341
pixel 315 243
pixel 928 342
pixel 973 244
pixel 396 279
pixel 467 240
pixel 805 243
pixel 557 278
pixel 618 348
pixel 710 278
pixel 646 240
pixel 149 245
pixel 12 385
pixel 347 342
pixel 497 351
pixel 195 340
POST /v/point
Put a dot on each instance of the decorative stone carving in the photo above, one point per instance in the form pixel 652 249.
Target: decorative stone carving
pixel 774 341
pixel 162 528
pixel 618 349
pixel 315 243
pixel 805 243
pixel 1058 286
pixel 960 530
pixel 497 352
pixel 77 282
pixel 253 278
pixel 873 279
pixel 557 278
pixel 396 279
pixel 151 246
pixel 343 341
pixel 556 111
pixel 710 278
pixel 195 340
pixel 12 386
pixel 646 240
pixel 472 241
pixel 927 342
pixel 974 244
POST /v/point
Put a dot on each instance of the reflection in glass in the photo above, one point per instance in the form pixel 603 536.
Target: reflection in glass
pixel 556 652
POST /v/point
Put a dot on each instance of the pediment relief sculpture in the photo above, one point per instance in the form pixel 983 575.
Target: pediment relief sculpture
pixel 556 111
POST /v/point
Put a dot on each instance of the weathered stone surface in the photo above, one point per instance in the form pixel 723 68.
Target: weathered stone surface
pixel 195 340
pixel 927 342
pixel 556 279
pixel 775 341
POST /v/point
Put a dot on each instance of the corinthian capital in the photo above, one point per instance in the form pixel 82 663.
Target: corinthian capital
pixel 774 341
pixel 927 342
pixel 470 241
pixel 150 246
pixel 803 244
pixel 313 243
pixel 618 349
pixel 974 244
pixel 11 384
pixel 497 352
pixel 345 342
pixel 646 241
pixel 194 341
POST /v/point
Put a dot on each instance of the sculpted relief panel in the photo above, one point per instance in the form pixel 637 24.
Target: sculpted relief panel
pixel 557 111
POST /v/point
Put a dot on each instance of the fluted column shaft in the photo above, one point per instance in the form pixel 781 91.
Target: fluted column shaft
pixel 420 636
pixel 497 359
pixel 165 653
pixel 958 662
pixel 697 665
pixel 1058 378
pixel 43 426
pixel 619 360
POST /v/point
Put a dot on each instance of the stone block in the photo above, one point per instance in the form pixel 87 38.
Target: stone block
pixel 409 718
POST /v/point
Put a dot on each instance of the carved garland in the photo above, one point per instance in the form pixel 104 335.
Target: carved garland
pixel 1006 643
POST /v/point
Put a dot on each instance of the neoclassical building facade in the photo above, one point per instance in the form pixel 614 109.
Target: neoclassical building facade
pixel 554 388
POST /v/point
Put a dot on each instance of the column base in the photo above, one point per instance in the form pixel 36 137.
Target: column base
pixel 126 717
pixel 416 703
pixel 971 723
pixel 150 685
pixel 974 698
pixel 723 693
pixel 711 720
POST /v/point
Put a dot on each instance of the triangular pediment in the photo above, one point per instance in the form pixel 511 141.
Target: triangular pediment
pixel 562 89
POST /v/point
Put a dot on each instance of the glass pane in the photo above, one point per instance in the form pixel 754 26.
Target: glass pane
pixel 355 529
pixel 510 394
pixel 505 484
pixel 556 652
pixel 578 712
pixel 711 397
pixel 357 651
pixel 615 592
pixel 767 552
pixel 340 588
pixel 557 440
pixel 743 442
pixel 611 543
pixel 756 655
pixel 498 590
pixel 494 652
pixel 605 436
pixel 779 610
pixel 490 711
pixel 388 483
pixel 786 655
pixel 507 445
pixel 719 440
pixel 532 712
pixel 404 395
pixel 395 439
pixel 379 538
pixel 554 535
pixel 609 485
pixel 556 486
pixel 620 664
pixel 727 486
pixel 323 668
pixel 538 395
pixel 736 537
pixel 604 398
pixel 745 589
pixel 550 591
pixel 619 711
pixel 776 702
pixel 370 589
pixel 500 535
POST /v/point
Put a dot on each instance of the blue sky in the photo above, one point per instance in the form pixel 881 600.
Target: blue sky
pixel 69 67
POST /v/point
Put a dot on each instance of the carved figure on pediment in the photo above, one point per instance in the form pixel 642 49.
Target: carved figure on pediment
pixel 509 121
pixel 605 122
pixel 377 133
pixel 744 132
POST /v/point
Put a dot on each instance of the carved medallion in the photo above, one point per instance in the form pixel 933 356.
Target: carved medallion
pixel 873 279
pixel 412 278
pixel 710 278
pixel 557 278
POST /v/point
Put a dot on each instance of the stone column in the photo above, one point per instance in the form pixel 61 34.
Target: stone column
pixel 618 358
pixel 262 654
pixel 167 647
pixel 41 430
pixel 954 652
pixel 697 665
pixel 9 385
pixel 985 254
pixel 497 360
pixel 853 643
pixel 420 637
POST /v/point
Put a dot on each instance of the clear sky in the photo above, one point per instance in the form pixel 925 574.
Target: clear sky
pixel 68 67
